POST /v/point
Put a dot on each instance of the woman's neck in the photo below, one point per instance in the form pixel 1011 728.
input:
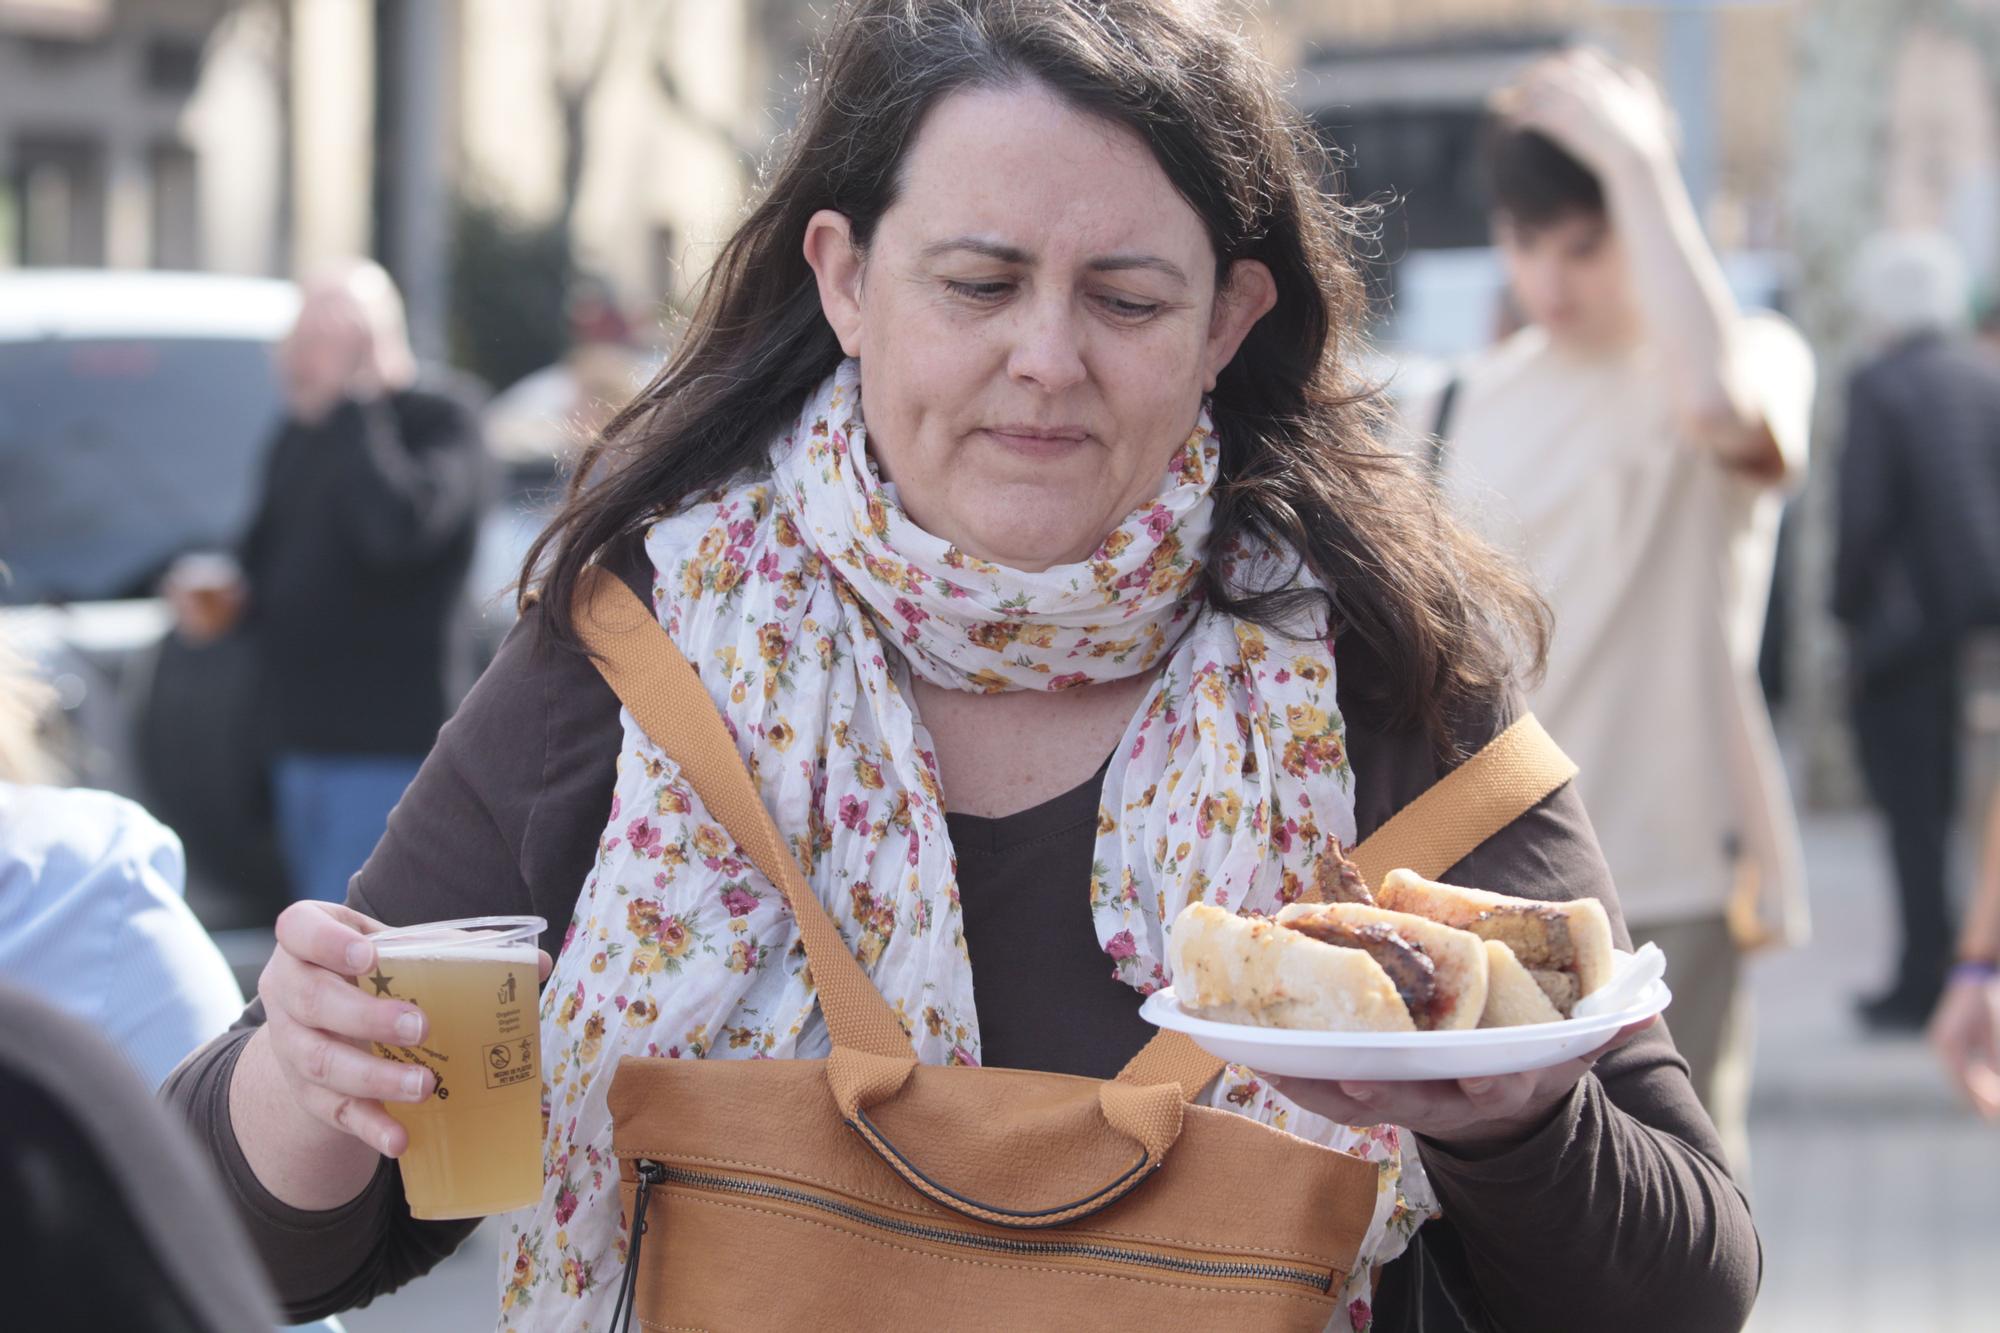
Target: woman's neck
pixel 999 754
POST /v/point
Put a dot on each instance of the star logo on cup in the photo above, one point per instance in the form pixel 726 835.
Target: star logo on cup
pixel 381 982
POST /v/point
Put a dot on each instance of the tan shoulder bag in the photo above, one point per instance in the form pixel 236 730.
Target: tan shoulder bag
pixel 866 1191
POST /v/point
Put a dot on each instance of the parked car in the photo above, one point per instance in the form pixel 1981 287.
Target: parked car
pixel 134 410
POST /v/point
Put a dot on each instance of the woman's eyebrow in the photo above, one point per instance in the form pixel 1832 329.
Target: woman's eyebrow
pixel 1013 254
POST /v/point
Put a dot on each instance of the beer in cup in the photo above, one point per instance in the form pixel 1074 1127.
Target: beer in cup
pixel 476 1141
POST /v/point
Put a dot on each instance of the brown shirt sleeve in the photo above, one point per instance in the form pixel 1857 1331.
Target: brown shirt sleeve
pixel 1616 1214
pixel 502 818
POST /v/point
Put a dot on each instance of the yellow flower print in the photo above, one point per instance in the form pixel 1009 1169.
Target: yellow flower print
pixel 727 575
pixel 739 692
pixel 988 681
pixel 674 799
pixel 771 644
pixel 869 774
pixel 1105 823
pixel 1115 544
pixel 787 532
pixel 780 735
pixel 994 635
pixel 1305 720
pixel 593 1037
pixel 641 1012
pixel 711 841
pixel 1311 670
pixel 1251 645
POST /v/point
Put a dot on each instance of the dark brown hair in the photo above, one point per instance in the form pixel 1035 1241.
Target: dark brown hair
pixel 1301 464
pixel 1531 179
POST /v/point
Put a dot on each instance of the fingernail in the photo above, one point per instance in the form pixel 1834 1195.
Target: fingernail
pixel 385 1144
pixel 1357 1092
pixel 413 1085
pixel 1476 1087
pixel 410 1027
pixel 358 954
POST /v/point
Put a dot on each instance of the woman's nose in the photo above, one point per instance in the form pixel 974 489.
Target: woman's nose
pixel 1048 346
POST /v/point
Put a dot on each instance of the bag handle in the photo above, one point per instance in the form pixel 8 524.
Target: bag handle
pixel 1511 775
pixel 1148 1116
pixel 638 659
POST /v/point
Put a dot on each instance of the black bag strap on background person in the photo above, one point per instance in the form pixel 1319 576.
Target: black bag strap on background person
pixel 1437 446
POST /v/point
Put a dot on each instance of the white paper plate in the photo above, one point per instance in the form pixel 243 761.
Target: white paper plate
pixel 1402 1056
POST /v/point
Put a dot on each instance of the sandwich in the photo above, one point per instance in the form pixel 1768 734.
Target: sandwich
pixel 1564 948
pixel 1343 967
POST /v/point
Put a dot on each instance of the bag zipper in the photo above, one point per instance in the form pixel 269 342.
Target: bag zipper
pixel 656 1173
pixel 650 1174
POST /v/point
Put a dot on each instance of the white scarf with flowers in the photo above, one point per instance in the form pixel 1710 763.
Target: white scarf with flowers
pixel 806 598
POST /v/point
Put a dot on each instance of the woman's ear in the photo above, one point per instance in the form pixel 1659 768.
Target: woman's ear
pixel 1245 297
pixel 837 264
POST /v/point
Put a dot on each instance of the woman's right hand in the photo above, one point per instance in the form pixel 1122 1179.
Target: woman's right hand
pixel 321 1025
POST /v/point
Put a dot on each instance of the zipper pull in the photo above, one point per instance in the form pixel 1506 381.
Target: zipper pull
pixel 650 1174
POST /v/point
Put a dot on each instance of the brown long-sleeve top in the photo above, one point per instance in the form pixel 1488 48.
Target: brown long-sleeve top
pixel 1616 1213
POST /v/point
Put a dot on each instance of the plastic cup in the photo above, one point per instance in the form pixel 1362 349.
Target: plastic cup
pixel 476 1141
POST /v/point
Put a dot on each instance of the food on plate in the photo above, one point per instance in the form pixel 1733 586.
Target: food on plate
pixel 1439 973
pixel 1335 966
pixel 1565 947
pixel 1513 999
pixel 1339 879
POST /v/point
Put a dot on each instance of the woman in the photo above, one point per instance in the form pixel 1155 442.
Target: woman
pixel 1014 496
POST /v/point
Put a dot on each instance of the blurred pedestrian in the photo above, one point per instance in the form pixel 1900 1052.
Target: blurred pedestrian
pixel 91 911
pixel 1965 1031
pixel 1916 570
pixel 353 573
pixel 1631 442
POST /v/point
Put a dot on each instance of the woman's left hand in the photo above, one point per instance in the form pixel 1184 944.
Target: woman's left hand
pixel 1455 1113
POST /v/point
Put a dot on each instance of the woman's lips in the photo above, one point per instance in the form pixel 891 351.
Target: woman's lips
pixel 1037 442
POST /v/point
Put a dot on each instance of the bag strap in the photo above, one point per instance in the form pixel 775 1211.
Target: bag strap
pixel 638 659
pixel 1511 775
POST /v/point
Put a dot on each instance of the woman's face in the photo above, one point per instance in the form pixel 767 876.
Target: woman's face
pixel 1037 318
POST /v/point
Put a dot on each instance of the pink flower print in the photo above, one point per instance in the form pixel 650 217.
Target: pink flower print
pixel 565 1204
pixel 961 1056
pixel 741 531
pixel 739 900
pixel 1069 682
pixel 1158 522
pixel 1121 946
pixel 853 814
pixel 1359 1315
pixel 615 805
pixel 644 837
pixel 913 849
pixel 767 566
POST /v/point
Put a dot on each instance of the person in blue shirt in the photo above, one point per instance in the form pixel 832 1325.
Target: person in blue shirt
pixel 92 914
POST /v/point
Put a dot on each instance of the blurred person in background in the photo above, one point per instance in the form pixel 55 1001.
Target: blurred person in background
pixel 1631 442
pixel 353 573
pixel 1965 1030
pixel 1916 571
pixel 91 911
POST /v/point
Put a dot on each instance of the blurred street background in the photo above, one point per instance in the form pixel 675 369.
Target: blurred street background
pixel 547 181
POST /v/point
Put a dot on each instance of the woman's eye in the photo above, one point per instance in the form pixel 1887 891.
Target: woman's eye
pixel 1134 310
pixel 978 291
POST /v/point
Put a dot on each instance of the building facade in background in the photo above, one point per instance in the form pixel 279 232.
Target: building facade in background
pixel 266 136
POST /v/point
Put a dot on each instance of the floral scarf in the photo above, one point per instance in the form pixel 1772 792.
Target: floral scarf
pixel 807 599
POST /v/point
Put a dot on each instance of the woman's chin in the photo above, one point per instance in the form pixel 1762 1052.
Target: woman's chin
pixel 1028 542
